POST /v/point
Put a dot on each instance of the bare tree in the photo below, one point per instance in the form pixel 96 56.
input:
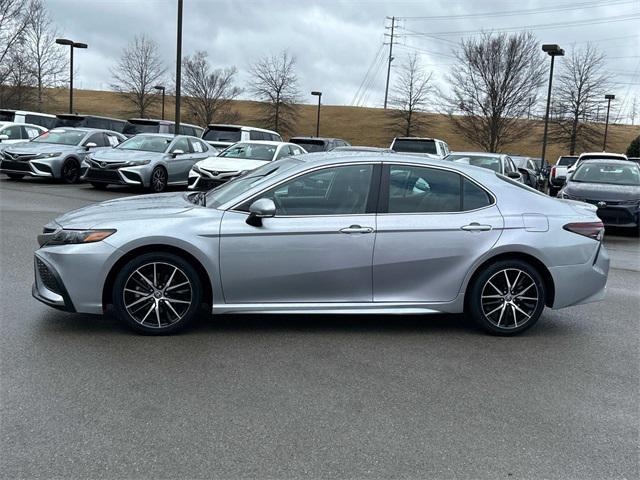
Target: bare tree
pixel 209 93
pixel 19 90
pixel 409 96
pixel 139 69
pixel 496 79
pixel 49 61
pixel 274 82
pixel 14 19
pixel 579 87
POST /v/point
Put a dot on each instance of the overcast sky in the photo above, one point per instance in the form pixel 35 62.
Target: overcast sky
pixel 336 42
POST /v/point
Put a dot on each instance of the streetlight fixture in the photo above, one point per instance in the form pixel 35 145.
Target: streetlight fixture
pixel 319 95
pixel 72 45
pixel 162 89
pixel 553 51
pixel 608 98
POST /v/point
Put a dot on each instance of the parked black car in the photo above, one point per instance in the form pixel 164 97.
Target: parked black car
pixel 611 185
pixel 90 121
pixel 319 144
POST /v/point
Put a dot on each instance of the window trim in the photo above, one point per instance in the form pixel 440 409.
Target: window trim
pixel 369 207
pixel 383 203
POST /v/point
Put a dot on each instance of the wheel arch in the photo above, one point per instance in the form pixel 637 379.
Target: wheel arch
pixel 536 263
pixel 207 293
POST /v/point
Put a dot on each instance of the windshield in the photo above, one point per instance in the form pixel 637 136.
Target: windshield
pixel 61 137
pixel 252 151
pixel 146 143
pixel 135 128
pixel 488 162
pixel 408 145
pixel 222 134
pixel 566 161
pixel 228 191
pixel 614 174
pixel 310 145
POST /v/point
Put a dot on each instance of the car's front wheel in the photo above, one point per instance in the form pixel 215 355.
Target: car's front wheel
pixel 157 293
pixel 158 180
pixel 507 297
pixel 70 172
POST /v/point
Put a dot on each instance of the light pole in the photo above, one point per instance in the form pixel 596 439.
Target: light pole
pixel 72 45
pixel 161 88
pixel 608 98
pixel 178 67
pixel 553 51
pixel 319 95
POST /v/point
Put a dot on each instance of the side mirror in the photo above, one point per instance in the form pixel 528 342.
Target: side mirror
pixel 262 208
pixel 89 145
pixel 177 152
pixel 514 175
pixel 4 137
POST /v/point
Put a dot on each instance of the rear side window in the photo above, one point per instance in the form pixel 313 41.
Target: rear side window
pixel 47 122
pixel 423 190
pixel 185 130
pixel 255 135
pixel 98 123
pixel 310 145
pixel 222 134
pixel 473 196
pixel 566 161
pixel 133 128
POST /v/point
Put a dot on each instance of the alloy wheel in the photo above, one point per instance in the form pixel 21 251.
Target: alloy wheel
pixel 157 295
pixel 158 180
pixel 70 172
pixel 510 298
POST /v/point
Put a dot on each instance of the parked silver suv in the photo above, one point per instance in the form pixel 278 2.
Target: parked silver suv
pixel 57 153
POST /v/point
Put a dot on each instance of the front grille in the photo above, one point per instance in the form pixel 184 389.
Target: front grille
pixel 106 165
pixel 47 277
pixel 208 184
pixel 93 174
pixel 595 202
pixel 19 157
pixel 14 165
pixel 615 216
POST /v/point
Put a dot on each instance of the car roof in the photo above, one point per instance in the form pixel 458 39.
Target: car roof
pixel 160 121
pixel 242 127
pixel 419 138
pixel 26 112
pixel 324 139
pixel 480 154
pixel 602 155
pixel 612 161
pixel 263 142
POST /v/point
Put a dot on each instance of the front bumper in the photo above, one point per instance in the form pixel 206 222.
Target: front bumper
pixel 114 176
pixel 582 283
pixel 72 277
pixel 25 167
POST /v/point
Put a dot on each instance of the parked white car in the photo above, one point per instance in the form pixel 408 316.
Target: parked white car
pixel 430 147
pixel 34 118
pixel 237 159
pixel 11 132
pixel 222 136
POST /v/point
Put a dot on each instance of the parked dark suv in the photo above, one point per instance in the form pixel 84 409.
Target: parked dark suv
pixel 90 121
pixel 319 144
pixel 135 126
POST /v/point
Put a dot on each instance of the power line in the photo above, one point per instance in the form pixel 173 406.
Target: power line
pixel 532 11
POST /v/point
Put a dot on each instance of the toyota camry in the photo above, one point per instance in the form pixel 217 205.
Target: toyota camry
pixel 346 233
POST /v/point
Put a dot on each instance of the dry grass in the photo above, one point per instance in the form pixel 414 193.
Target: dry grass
pixel 360 126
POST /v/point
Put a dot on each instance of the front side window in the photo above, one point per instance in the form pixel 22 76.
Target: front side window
pixel 423 190
pixel 146 143
pixel 98 139
pixel 181 144
pixel 14 132
pixel 331 191
pixel 61 136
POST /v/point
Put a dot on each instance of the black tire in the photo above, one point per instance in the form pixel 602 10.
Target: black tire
pixel 553 191
pixel 157 312
pixel 15 176
pixel 99 186
pixel 70 172
pixel 158 180
pixel 506 313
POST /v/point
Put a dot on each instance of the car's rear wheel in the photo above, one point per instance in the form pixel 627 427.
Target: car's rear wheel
pixel 157 293
pixel 15 176
pixel 70 172
pixel 99 186
pixel 507 298
pixel 158 180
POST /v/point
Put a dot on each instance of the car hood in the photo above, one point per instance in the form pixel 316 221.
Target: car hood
pixel 143 207
pixel 35 147
pixel 602 191
pixel 223 164
pixel 120 155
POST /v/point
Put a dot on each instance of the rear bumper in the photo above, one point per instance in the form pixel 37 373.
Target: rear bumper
pixel 583 283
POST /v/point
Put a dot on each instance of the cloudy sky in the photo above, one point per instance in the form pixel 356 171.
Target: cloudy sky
pixel 339 43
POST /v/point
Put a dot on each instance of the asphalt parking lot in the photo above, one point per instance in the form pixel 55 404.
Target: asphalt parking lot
pixel 310 397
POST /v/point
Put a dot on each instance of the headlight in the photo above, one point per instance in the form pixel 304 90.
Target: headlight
pixel 66 237
pixel 196 169
pixel 134 163
pixel 49 155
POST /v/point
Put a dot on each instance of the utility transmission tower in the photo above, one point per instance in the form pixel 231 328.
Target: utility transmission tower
pixel 386 88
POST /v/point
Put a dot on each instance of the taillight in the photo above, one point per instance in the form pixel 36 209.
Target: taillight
pixel 592 230
pixel 553 172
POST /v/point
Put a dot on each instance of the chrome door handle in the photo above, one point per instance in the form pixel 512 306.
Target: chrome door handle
pixel 476 227
pixel 356 229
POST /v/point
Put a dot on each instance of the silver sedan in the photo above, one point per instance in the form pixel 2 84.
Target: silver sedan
pixel 329 233
pixel 151 160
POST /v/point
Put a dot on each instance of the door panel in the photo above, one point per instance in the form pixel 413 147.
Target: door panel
pixel 296 259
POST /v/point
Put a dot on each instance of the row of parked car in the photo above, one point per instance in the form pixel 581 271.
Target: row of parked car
pixel 147 153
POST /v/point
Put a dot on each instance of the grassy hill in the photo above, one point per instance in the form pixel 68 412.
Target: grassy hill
pixel 360 126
